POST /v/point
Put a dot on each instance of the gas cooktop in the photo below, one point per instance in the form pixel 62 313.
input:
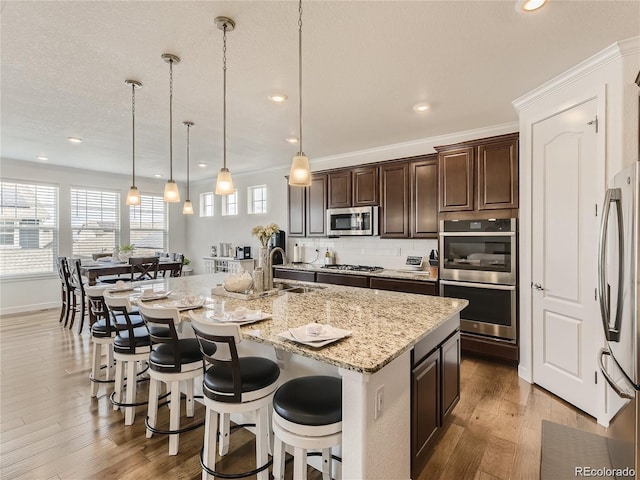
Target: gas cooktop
pixel 355 268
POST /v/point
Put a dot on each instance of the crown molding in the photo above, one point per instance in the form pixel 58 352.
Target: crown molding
pixel 613 52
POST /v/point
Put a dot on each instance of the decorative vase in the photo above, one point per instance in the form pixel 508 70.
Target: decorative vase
pixel 263 258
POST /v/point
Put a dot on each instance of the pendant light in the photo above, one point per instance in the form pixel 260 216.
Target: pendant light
pixel 133 196
pixel 171 192
pixel 187 209
pixel 224 183
pixel 300 176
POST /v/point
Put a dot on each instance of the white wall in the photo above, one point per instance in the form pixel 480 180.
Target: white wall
pixel 608 76
pixel 27 294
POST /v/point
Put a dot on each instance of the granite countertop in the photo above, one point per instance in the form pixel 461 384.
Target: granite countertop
pixel 384 324
pixel 422 275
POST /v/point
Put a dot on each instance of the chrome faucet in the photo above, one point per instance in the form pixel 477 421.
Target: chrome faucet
pixel 268 274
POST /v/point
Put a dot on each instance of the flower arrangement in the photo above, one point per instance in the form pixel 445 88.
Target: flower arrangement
pixel 264 233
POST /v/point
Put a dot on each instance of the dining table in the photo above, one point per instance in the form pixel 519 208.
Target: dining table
pixel 92 270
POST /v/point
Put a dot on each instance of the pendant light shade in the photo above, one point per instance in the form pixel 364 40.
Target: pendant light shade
pixel 187 209
pixel 224 183
pixel 300 175
pixel 171 192
pixel 133 196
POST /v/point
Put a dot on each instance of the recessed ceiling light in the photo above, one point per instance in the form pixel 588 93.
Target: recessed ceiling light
pixel 529 5
pixel 202 164
pixel 278 97
pixel 157 175
pixel 292 140
pixel 74 139
pixel 421 107
pixel 42 157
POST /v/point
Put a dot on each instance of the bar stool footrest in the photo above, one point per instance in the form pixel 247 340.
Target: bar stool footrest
pixel 233 475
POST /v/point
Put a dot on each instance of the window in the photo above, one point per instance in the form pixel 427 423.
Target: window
pixel 28 228
pixel 206 204
pixel 230 204
pixel 258 199
pixel 149 226
pixel 95 221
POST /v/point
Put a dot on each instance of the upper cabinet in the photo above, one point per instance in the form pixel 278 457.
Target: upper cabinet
pixel 479 175
pixel 353 188
pixel 394 195
pixel 308 208
pixel 424 197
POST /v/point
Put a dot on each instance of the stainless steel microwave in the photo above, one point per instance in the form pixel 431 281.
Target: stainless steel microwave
pixel 352 221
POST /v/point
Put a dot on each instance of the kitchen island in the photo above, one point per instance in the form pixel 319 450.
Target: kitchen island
pixel 375 362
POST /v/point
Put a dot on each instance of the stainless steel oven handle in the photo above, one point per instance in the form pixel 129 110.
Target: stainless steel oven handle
pixel 612 334
pixel 616 388
pixel 477 234
pixel 490 286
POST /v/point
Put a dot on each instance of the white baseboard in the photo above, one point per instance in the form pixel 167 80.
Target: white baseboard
pixel 29 308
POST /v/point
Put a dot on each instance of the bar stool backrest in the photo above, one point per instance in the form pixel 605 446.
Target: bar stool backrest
pixel 119 308
pixel 222 339
pixel 165 319
pixel 98 307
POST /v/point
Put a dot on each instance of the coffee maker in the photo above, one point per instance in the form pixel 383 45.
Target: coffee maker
pixel 278 240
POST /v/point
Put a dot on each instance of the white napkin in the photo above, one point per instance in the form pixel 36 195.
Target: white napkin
pixel 325 332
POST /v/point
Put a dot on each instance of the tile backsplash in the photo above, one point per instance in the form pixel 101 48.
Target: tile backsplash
pixel 372 251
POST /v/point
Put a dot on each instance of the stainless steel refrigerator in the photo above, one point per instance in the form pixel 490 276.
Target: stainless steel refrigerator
pixel 619 361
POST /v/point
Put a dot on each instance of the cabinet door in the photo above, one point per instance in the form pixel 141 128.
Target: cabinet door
pixel 424 199
pixel 455 173
pixel 450 373
pixel 394 183
pixel 317 206
pixel 425 409
pixel 296 201
pixel 399 285
pixel 365 186
pixel 340 189
pixel 497 169
pixel 343 279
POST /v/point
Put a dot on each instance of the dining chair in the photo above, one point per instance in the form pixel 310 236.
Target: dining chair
pixel 144 268
pixel 80 300
pixel 68 297
pixel 233 384
pixel 176 271
pixel 172 360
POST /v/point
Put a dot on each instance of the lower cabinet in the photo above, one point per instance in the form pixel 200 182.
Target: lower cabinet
pixel 407 286
pixel 342 279
pixel 435 390
pixel 295 275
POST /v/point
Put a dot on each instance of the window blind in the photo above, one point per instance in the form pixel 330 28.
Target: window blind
pixel 149 226
pixel 95 221
pixel 28 228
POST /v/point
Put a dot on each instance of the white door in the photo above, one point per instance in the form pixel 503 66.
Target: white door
pixel 564 254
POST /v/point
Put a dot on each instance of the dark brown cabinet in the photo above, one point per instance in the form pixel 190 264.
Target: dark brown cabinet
pixel 297 211
pixel 343 279
pixel 357 187
pixel 425 409
pixel 394 192
pixel 424 198
pixel 294 275
pixel 479 175
pixel 407 286
pixel 435 391
pixel 317 206
pixel 307 208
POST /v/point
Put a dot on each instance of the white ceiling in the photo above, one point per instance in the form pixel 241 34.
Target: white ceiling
pixel 365 64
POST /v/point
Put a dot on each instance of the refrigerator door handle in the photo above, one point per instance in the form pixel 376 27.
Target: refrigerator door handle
pixel 616 388
pixel 612 334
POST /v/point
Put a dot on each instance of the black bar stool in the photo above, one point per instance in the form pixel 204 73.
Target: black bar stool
pixel 307 414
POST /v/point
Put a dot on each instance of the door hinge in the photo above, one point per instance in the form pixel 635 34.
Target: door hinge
pixel 595 376
pixel 594 122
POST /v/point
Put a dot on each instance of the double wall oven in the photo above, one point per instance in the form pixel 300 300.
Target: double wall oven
pixel 478 261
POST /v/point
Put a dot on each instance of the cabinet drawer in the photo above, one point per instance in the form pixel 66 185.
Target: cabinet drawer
pixel 407 286
pixel 341 279
pixel 295 275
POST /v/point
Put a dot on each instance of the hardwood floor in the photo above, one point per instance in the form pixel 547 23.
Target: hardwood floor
pixel 50 428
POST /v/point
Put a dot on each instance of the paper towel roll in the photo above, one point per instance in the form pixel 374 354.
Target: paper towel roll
pixel 296 254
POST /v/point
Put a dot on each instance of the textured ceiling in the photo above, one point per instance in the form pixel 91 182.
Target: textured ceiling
pixel 365 64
